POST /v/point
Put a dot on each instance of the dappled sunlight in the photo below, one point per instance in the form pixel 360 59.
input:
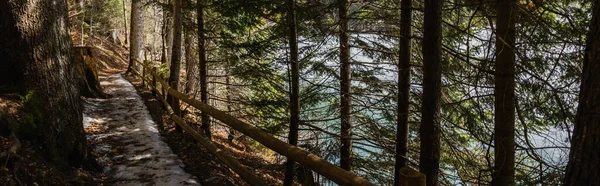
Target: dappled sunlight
pixel 126 139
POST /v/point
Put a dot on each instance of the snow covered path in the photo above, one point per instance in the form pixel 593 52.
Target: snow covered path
pixel 122 133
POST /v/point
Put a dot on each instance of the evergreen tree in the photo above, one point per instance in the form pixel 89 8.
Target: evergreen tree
pixel 429 163
pixel 583 158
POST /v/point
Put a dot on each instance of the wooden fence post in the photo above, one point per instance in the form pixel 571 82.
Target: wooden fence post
pixel 152 72
pixel 144 73
pixel 411 177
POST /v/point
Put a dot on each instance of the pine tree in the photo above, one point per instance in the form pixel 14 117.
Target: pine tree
pixel 295 90
pixel 584 160
pixel 345 84
pixel 38 62
pixel 136 37
pixel 175 69
pixel 504 128
pixel 432 80
pixel 403 89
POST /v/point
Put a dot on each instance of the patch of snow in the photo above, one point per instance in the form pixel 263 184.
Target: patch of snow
pixel 131 149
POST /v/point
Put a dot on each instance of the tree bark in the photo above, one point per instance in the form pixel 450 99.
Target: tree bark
pixel 584 160
pixel 345 83
pixel 136 44
pixel 125 24
pixel 175 70
pixel 430 123
pixel 38 61
pixel 91 24
pixel 190 62
pixel 504 120
pixel 89 84
pixel 403 89
pixel 232 132
pixel 81 5
pixel 202 67
pixel 294 92
pixel 167 33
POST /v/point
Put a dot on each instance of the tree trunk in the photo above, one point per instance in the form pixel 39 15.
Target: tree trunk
pixel 136 34
pixel 504 128
pixel 38 61
pixel 346 126
pixel 582 168
pixel 403 89
pixel 81 5
pixel 125 24
pixel 175 69
pixel 294 92
pixel 91 24
pixel 167 33
pixel 89 84
pixel 202 67
pixel 232 132
pixel 190 62
pixel 430 123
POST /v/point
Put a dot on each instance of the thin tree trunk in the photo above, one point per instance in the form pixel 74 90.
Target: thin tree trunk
pixel 125 22
pixel 504 120
pixel 295 90
pixel 81 5
pixel 583 166
pixel 232 132
pixel 202 67
pixel 190 62
pixel 167 33
pixel 91 24
pixel 137 33
pixel 346 126
pixel 403 89
pixel 153 49
pixel 430 122
pixel 163 56
pixel 175 69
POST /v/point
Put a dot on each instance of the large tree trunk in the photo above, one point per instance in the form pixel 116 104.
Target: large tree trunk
pixel 504 128
pixel 136 37
pixel 295 90
pixel 584 159
pixel 202 67
pixel 190 62
pixel 38 61
pixel 175 69
pixel 346 126
pixel 403 89
pixel 430 120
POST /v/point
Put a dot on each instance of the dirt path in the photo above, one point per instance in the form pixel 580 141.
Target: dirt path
pixel 126 140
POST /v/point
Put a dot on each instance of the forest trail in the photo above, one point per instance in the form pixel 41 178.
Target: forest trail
pixel 126 139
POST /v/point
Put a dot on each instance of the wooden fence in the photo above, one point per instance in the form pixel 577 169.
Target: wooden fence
pixel 311 161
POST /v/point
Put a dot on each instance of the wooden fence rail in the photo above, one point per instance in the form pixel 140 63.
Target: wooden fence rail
pixel 311 161
pixel 231 162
